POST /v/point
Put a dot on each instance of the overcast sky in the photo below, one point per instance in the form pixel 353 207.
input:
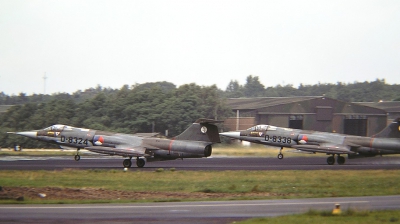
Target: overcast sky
pixel 81 44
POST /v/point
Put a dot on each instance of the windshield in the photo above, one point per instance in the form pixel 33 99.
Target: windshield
pixel 56 127
pixel 262 127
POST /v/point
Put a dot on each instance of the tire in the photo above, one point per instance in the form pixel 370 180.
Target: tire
pixel 280 156
pixel 77 157
pixel 341 160
pixel 330 160
pixel 140 163
pixel 127 163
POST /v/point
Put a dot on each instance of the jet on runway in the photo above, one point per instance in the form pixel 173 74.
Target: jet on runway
pixel 195 142
pixel 385 142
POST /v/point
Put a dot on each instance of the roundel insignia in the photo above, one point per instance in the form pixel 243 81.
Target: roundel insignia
pixel 303 139
pixel 203 129
pixel 98 140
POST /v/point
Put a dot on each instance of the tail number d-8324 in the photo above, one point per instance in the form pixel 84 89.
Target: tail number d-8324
pixel 278 139
pixel 74 140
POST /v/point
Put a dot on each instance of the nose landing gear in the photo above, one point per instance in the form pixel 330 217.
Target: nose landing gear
pixel 77 156
pixel 280 155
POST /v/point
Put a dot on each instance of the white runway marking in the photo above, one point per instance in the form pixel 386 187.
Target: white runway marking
pixel 180 206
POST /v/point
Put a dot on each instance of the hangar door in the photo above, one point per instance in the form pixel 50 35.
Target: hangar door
pixel 296 121
pixel 355 125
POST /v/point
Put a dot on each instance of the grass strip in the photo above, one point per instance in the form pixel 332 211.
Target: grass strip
pixel 223 184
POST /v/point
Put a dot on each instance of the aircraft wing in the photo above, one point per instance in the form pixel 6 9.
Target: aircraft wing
pixel 146 135
pixel 325 148
pixel 120 151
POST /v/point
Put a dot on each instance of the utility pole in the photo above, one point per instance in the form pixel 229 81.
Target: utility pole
pixel 44 83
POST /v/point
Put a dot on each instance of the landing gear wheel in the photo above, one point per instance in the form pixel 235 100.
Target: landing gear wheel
pixel 330 160
pixel 77 157
pixel 280 156
pixel 140 162
pixel 341 160
pixel 127 163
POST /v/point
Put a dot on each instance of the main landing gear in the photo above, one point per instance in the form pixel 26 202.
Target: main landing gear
pixel 280 155
pixel 340 160
pixel 77 156
pixel 140 162
pixel 127 163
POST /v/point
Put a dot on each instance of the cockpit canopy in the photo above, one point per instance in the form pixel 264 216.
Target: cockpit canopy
pixel 262 127
pixel 57 128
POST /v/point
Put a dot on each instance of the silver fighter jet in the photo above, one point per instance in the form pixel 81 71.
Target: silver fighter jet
pixel 195 142
pixel 385 142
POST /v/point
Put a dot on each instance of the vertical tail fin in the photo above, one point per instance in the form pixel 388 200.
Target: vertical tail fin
pixel 201 130
pixel 391 131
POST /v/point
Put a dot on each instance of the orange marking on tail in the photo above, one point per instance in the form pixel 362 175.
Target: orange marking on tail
pixel 170 145
pixel 370 142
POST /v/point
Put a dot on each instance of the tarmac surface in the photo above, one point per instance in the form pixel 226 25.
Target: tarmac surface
pixel 213 163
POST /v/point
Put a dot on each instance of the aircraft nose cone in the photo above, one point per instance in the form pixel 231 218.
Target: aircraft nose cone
pixel 30 134
pixel 232 134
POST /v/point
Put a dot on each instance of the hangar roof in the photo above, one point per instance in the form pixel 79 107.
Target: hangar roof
pixel 390 106
pixel 261 102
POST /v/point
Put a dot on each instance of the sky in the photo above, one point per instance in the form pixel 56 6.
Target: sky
pixel 80 44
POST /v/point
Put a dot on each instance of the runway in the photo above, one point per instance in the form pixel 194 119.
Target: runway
pixel 185 212
pixel 213 163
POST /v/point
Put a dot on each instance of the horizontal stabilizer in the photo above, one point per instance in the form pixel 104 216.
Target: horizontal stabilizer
pixel 117 151
pixel 326 148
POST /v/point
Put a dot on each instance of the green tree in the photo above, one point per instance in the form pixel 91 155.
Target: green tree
pixel 253 87
pixel 234 90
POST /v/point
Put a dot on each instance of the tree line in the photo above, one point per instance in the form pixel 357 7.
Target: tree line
pixel 366 91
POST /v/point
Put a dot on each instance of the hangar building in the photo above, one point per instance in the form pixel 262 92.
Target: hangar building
pixel 317 113
pixel 392 108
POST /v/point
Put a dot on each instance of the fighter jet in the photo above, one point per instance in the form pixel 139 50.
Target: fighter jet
pixel 385 142
pixel 195 142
